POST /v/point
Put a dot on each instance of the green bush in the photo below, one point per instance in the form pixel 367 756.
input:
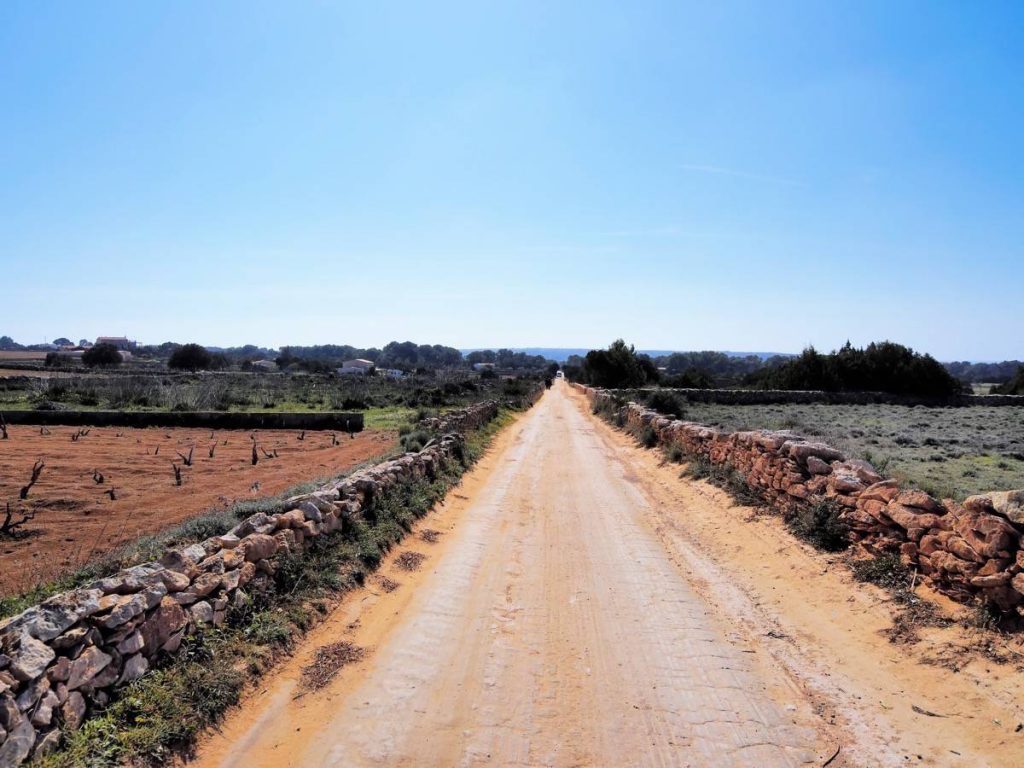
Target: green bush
pixel 102 356
pixel 190 357
pixel 885 571
pixel 666 403
pixel 819 524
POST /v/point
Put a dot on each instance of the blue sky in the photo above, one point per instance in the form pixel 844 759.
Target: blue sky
pixel 708 175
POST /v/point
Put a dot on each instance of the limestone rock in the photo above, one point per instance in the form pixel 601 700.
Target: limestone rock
pixel 134 668
pixel 44 712
pixel 131 644
pixel 85 668
pixel 258 546
pixel 19 743
pixel 73 710
pixel 46 743
pixel 123 609
pixel 202 612
pixel 31 659
pixel 59 671
pixel 165 621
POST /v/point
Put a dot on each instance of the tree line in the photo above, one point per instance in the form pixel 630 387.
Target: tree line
pixel 878 367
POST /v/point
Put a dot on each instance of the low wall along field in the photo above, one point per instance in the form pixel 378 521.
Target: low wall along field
pixel 969 551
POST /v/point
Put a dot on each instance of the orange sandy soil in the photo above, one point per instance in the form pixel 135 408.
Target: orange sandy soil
pixel 75 519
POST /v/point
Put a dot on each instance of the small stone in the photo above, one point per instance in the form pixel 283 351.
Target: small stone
pixel 44 712
pixel 202 612
pixel 154 595
pixel 10 715
pixel 205 584
pixel 73 710
pixel 31 659
pixel 107 676
pixel 46 743
pixel 32 693
pixel 60 671
pixel 258 547
pixel 70 639
pixel 125 609
pixel 19 743
pixel 174 642
pixel 174 581
pixel 228 541
pixel 87 666
pixel 817 467
pixel 131 644
pixel 134 668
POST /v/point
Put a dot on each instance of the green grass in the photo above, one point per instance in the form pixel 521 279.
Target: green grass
pixel 391 418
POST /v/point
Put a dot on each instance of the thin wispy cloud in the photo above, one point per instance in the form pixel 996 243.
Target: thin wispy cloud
pixel 717 170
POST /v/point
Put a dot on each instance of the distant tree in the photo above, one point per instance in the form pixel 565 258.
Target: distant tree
pixel 56 358
pixel 618 367
pixel 7 343
pixel 83 342
pixel 1014 386
pixel 879 367
pixel 62 342
pixel 101 355
pixel 190 357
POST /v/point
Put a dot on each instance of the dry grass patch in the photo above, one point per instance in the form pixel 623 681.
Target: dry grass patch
pixel 329 660
pixel 388 585
pixel 429 535
pixel 410 561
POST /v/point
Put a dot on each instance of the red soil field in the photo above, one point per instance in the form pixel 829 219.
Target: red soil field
pixel 76 520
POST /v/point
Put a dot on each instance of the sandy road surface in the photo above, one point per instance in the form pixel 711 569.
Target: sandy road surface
pixel 552 630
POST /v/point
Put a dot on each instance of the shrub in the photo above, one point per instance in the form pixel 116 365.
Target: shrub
pixel 819 524
pixel 666 403
pixel 648 437
pixel 102 356
pixel 190 357
pixel 1014 386
pixel 415 440
pixel 885 571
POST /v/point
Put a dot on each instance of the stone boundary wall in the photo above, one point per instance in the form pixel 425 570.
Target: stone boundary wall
pixel 802 397
pixel 337 420
pixel 65 656
pixel 969 551
pixel 463 419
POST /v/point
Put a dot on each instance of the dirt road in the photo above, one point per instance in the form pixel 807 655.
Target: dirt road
pixel 568 619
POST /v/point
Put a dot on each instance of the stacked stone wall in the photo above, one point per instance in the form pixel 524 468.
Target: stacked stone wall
pixel 969 551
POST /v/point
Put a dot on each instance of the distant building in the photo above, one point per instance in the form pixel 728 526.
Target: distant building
pixel 391 373
pixel 264 365
pixel 483 366
pixel 123 343
pixel 358 367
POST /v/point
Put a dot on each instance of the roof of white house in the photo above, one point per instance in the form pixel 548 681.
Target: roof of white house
pixel 358 363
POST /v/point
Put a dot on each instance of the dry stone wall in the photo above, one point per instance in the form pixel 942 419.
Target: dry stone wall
pixel 463 419
pixel 64 657
pixel 969 551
